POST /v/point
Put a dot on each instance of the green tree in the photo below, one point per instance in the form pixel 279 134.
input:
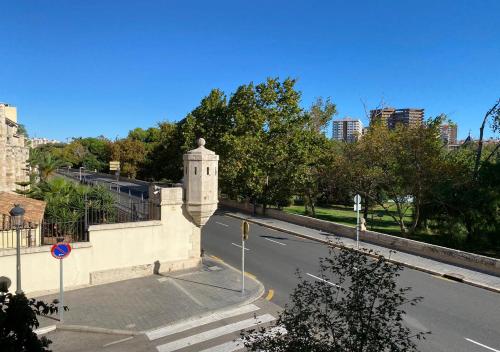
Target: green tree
pixel 18 319
pixel 357 306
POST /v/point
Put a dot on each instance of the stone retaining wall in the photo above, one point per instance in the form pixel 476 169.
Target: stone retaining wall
pixel 443 254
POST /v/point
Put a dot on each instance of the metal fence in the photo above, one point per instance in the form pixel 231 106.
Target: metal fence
pixel 50 230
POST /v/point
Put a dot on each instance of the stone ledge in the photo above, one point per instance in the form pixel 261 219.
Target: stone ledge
pixel 41 249
pixel 124 225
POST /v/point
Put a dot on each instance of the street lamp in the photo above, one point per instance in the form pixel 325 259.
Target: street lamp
pixel 17 218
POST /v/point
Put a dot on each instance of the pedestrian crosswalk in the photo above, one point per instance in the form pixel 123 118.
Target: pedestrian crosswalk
pixel 216 332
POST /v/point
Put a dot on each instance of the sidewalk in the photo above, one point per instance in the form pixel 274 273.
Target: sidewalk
pixel 133 306
pixel 470 277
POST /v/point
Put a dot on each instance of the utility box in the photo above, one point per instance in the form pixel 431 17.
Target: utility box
pixel 201 183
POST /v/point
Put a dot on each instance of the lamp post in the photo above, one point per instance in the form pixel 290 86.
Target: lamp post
pixel 81 167
pixel 17 217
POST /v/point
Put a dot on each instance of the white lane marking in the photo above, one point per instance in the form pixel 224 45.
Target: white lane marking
pixel 45 330
pixel 214 333
pixel 320 279
pixel 480 344
pixel 221 223
pixel 237 245
pixel 193 298
pixel 239 344
pixel 283 244
pixel 198 321
pixel 118 341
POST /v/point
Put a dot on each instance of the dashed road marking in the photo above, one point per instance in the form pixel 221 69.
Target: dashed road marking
pixel 482 345
pixel 320 279
pixel 283 244
pixel 237 245
pixel 118 341
pixel 222 224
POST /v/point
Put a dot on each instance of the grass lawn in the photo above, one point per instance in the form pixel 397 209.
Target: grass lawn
pixel 347 216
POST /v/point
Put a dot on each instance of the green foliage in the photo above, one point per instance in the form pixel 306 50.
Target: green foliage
pixel 358 308
pixel 18 319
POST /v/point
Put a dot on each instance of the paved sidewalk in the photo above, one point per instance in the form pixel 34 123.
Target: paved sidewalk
pixel 470 277
pixel 133 306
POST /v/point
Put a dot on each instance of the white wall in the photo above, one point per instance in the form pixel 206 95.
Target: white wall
pixel 115 251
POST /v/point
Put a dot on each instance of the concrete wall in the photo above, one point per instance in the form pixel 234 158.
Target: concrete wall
pixel 443 254
pixel 115 251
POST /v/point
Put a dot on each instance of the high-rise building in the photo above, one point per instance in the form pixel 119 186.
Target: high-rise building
pixel 347 129
pixel 449 134
pixel 36 142
pixel 13 151
pixel 391 117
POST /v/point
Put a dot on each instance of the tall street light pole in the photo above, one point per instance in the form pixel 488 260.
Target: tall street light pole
pixel 17 218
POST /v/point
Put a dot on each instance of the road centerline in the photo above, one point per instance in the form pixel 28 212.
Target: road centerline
pixel 283 244
pixel 320 279
pixel 482 345
pixel 222 224
pixel 237 245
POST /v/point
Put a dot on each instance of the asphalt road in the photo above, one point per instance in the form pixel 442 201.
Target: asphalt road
pixel 460 317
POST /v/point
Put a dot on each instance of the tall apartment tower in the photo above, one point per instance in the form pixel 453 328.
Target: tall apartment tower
pixel 449 134
pixel 13 151
pixel 347 129
pixel 391 117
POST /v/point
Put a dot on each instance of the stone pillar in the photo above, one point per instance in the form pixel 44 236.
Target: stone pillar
pixel 201 183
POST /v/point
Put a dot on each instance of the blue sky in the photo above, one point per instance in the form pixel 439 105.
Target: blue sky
pixel 104 67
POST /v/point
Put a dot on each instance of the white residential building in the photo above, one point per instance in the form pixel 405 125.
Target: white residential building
pixel 347 129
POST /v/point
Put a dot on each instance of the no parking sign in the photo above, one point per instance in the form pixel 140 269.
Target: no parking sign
pixel 60 250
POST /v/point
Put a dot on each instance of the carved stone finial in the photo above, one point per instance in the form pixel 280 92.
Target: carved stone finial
pixel 201 142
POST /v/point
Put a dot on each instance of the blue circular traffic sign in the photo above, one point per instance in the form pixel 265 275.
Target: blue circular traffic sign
pixel 60 250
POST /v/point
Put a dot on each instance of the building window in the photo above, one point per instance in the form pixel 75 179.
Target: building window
pixel 195 170
pixel 208 171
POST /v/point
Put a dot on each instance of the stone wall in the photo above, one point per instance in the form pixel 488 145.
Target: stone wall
pixel 443 254
pixel 13 151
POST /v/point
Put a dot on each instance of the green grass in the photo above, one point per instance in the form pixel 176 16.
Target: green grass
pixel 347 216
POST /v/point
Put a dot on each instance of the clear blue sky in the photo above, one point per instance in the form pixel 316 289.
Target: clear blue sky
pixel 88 68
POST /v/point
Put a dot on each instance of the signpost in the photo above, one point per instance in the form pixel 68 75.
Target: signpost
pixel 114 165
pixel 357 208
pixel 61 251
pixel 245 229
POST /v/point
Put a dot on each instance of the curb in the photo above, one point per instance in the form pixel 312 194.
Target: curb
pixel 411 266
pixel 93 329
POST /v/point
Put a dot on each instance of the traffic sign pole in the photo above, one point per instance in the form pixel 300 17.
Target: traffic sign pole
pixel 357 205
pixel 61 291
pixel 242 265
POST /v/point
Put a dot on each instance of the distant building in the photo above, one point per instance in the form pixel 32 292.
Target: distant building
pixel 391 117
pixel 449 134
pixel 35 142
pixel 13 151
pixel 347 129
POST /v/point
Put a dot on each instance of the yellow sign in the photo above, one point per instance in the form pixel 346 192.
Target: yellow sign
pixel 245 230
pixel 114 165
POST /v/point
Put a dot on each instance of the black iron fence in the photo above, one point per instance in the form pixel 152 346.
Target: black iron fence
pixel 52 230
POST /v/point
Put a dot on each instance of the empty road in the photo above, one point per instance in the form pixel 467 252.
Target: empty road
pixel 460 317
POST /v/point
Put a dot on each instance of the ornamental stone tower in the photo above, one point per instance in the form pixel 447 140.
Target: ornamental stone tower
pixel 200 183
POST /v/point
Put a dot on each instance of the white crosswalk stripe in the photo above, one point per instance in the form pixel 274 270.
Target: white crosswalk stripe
pixel 215 333
pixel 193 323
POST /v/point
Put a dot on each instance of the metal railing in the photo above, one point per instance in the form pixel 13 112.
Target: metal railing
pixel 53 230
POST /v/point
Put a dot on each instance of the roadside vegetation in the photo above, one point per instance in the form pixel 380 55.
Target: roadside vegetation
pixel 273 151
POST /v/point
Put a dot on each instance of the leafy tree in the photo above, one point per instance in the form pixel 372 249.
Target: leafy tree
pixel 358 308
pixel 18 319
pixel 494 114
pixel 131 153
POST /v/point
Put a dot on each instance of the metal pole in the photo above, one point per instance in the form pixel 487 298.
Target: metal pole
pixel 242 265
pixel 61 291
pixel 18 261
pixel 357 225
